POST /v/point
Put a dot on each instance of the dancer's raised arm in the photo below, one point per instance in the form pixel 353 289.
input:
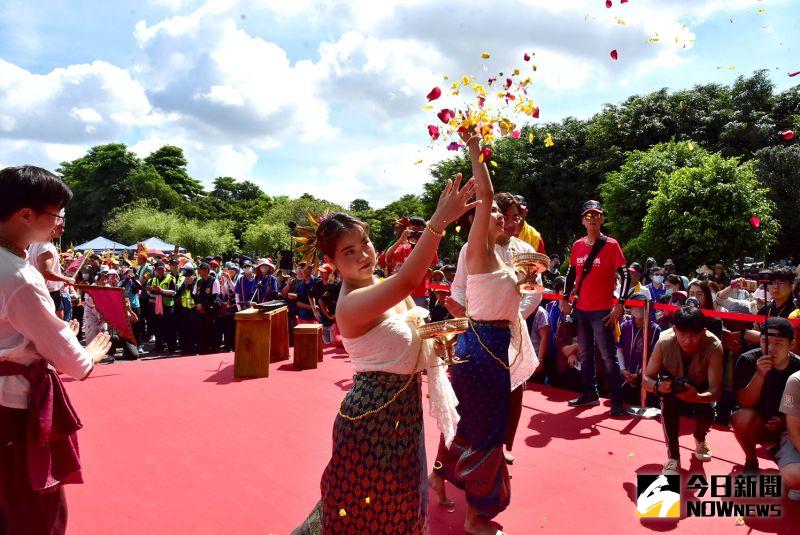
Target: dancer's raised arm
pixel 346 239
pixel 480 247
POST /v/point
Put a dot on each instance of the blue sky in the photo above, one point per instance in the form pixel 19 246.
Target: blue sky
pixel 326 96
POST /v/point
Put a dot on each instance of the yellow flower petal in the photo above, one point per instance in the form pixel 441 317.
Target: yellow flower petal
pixel 342 512
pixel 427 108
pixel 366 500
pixel 493 163
pixel 548 142
pixel 530 138
pixel 485 55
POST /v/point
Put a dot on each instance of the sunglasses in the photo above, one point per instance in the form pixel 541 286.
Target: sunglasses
pixel 592 216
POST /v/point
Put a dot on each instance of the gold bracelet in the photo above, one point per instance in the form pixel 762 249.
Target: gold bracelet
pixel 434 231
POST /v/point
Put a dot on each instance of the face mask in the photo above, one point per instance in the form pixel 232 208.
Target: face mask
pixel 637 313
pixel 248 270
pixel 263 270
pixel 658 279
pixel 668 293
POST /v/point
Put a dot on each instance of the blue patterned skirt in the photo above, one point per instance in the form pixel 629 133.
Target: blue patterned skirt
pixel 376 480
pixel 474 462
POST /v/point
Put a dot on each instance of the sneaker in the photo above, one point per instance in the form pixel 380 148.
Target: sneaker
pixel 585 400
pixel 702 452
pixel 794 495
pixel 617 410
pixel 672 468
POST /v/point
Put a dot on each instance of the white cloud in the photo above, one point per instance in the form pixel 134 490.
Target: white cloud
pixel 57 107
pixel 379 174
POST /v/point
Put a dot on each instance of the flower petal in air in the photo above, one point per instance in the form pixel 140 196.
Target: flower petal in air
pixel 614 55
pixel 788 135
pixel 434 94
pixel 433 131
pixel 548 142
pixel 755 221
pixel 526 57
pixel 535 113
pixel 608 4
pixel 530 138
pixel 486 153
pixel 445 115
pixel 515 134
pixel 486 55
pixel 793 74
pixel 454 145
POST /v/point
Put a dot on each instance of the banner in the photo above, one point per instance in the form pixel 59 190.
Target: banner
pixel 110 302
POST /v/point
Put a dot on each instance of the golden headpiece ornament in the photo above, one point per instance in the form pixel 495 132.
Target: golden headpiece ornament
pixel 308 238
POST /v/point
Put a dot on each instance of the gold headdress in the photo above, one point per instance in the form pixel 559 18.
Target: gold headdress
pixel 308 238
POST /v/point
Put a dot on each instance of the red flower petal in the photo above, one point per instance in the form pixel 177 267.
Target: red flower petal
pixel 614 55
pixel 526 57
pixel 755 221
pixel 433 131
pixel 535 114
pixel 486 152
pixel 793 74
pixel 788 135
pixel 509 81
pixel 434 94
pixel 445 115
pixel 623 1
pixel 481 102
pixel 608 3
pixel 454 146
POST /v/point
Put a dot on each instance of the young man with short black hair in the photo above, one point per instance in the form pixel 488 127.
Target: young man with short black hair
pixel 685 371
pixel 35 460
pixel 760 378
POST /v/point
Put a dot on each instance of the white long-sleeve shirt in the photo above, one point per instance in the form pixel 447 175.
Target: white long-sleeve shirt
pixel 30 329
pixel 458 289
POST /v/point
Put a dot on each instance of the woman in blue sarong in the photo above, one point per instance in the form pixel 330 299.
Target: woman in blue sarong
pixel 474 462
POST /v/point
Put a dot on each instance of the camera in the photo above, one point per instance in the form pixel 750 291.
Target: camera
pixel 679 384
pixel 416 234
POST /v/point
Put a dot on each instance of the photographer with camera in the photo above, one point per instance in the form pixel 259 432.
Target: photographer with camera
pixel 760 378
pixel 685 371
pixel 401 249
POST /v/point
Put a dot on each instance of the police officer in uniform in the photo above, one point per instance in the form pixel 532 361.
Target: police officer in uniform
pixel 206 296
pixel 187 316
pixel 163 284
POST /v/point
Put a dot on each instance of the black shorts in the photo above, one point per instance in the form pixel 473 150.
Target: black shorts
pixel 58 300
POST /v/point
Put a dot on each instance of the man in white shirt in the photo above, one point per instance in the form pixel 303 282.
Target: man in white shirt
pixel 38 445
pixel 44 257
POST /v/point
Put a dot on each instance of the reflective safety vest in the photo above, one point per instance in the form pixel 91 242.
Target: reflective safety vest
pixel 187 299
pixel 164 285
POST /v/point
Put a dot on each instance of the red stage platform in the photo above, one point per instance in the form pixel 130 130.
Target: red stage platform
pixel 178 446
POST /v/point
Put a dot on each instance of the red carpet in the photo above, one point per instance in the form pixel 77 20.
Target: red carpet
pixel 177 446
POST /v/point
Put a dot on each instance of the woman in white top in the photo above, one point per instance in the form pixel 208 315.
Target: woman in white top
pixel 375 481
pixel 474 462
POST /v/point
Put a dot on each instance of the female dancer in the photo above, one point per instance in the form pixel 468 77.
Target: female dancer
pixel 375 481
pixel 483 384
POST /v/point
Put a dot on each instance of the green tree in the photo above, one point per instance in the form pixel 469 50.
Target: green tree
pixel 779 173
pixel 109 176
pixel 360 205
pixel 170 163
pixel 266 238
pixel 684 221
pixel 625 193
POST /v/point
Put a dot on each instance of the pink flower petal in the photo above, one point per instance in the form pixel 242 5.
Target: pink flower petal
pixel 515 134
pixel 454 146
pixel 526 57
pixel 433 131
pixel 445 115
pixel 608 4
pixel 486 152
pixel 788 135
pixel 793 74
pixel 434 94
pixel 614 55
pixel 755 221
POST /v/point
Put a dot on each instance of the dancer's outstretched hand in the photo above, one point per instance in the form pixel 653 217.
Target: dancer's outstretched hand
pixel 454 202
pixel 99 346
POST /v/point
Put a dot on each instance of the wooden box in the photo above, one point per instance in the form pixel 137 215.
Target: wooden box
pixel 261 337
pixel 307 346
